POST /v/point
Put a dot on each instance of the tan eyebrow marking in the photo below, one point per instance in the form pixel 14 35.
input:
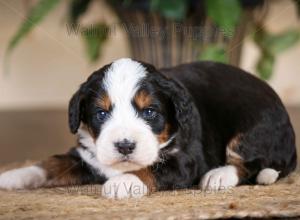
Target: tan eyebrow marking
pixel 143 99
pixel 104 102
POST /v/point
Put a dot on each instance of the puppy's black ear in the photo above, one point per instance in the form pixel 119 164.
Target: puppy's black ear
pixel 75 110
pixel 184 107
pixel 182 101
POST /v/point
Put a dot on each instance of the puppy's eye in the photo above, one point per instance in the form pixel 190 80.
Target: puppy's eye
pixel 102 115
pixel 149 113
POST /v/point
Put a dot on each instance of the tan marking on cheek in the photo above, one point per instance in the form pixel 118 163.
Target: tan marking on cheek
pixel 104 102
pixel 165 134
pixel 233 158
pixel 147 178
pixel 142 99
pixel 89 130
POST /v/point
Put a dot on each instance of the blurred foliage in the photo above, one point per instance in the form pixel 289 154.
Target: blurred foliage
pixel 214 52
pixel 35 16
pixel 172 9
pixel 271 45
pixel 226 14
pixel 265 65
pixel 94 40
pixel 276 43
pixel 221 13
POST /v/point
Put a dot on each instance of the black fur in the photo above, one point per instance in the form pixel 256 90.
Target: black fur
pixel 230 102
pixel 74 111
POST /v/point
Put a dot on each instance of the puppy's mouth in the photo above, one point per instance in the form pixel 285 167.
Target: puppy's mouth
pixel 125 159
pixel 126 164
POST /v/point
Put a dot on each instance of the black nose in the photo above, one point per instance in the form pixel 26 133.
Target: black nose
pixel 125 146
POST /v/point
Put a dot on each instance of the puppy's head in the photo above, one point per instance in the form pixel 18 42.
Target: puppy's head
pixel 127 112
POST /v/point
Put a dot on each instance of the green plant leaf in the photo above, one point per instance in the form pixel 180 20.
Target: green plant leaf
pixel 275 44
pixel 172 9
pixel 94 37
pixel 265 66
pixel 225 13
pixel 214 53
pixel 279 43
pixel 35 16
pixel 78 8
pixel 270 46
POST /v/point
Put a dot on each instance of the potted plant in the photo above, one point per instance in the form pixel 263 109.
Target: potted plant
pixel 171 32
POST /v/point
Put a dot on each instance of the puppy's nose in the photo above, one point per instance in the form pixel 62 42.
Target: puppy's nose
pixel 125 146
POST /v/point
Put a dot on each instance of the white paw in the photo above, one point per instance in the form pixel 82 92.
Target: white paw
pixel 27 177
pixel 267 176
pixel 220 178
pixel 124 186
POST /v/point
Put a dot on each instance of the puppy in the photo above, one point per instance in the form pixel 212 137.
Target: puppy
pixel 141 130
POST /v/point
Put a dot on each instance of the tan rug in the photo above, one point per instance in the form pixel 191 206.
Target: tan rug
pixel 279 200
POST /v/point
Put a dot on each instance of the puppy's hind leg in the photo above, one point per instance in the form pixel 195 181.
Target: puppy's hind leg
pixel 255 157
pixel 264 154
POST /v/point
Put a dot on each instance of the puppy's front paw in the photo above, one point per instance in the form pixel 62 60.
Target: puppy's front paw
pixel 124 186
pixel 220 178
pixel 27 177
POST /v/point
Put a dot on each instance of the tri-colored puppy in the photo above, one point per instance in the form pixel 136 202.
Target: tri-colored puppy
pixel 141 129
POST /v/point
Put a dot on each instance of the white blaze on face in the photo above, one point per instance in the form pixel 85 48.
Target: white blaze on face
pixel 121 81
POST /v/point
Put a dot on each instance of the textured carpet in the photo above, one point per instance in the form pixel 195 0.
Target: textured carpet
pixel 84 202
